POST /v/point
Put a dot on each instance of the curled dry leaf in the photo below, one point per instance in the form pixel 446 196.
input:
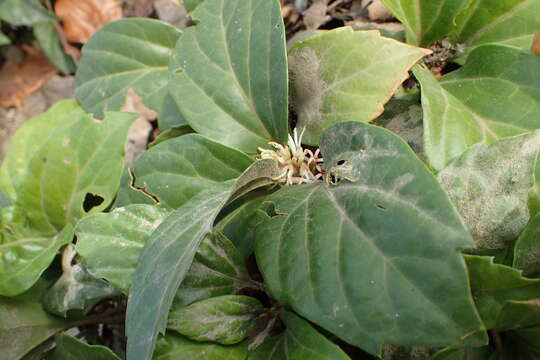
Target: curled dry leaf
pixel 82 18
pixel 535 48
pixel 20 80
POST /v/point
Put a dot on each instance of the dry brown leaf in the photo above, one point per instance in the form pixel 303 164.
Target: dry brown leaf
pixel 82 18
pixel 315 15
pixel 19 80
pixel 535 48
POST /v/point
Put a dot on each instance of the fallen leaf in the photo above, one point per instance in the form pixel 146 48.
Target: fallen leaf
pixel 536 43
pixel 82 18
pixel 315 15
pixel 18 80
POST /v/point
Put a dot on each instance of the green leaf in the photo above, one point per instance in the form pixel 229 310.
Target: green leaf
pixel 519 315
pixel 299 342
pixel 122 55
pixel 495 95
pixel 178 169
pixel 191 5
pixel 111 243
pixel 63 165
pixel 70 348
pixel 170 115
pixel 4 40
pixel 227 319
pixel 24 324
pixel 229 73
pixel 24 257
pixel 323 252
pixel 167 257
pixel 171 134
pixel 217 269
pixel 49 42
pixel 175 347
pixel 240 224
pixel 507 22
pixel 426 21
pixel 527 249
pixel 481 353
pixel 24 12
pixel 489 185
pixel 494 285
pixel 76 291
pixel 4 200
pixel 327 87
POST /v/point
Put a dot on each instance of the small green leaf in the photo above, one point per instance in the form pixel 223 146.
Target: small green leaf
pixel 323 252
pixel 4 40
pixel 227 319
pixel 175 347
pixel 70 348
pixel 508 22
pixel 24 257
pixel 111 243
pixel 495 95
pixel 49 42
pixel 494 285
pixel 229 73
pixel 24 324
pixel 76 291
pixel 490 186
pixel 191 5
pixel 24 12
pixel 527 249
pixel 167 257
pixel 426 21
pixel 122 55
pixel 176 170
pixel 299 342
pixel 327 87
pixel 63 165
pixel 519 315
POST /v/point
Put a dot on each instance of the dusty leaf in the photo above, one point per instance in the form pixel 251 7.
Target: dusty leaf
pixel 20 80
pixel 83 18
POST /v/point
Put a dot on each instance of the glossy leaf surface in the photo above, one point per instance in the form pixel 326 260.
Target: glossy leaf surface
pixel 63 165
pixel 300 341
pixel 226 320
pixel 426 21
pixel 328 87
pixel 490 185
pixel 122 55
pixel 494 285
pixel 324 253
pixel 176 170
pixel 70 348
pixel 229 73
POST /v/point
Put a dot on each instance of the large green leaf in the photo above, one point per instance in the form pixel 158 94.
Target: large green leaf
pixel 508 22
pixel 229 73
pixel 70 348
pixel 426 20
pixel 111 243
pixel 24 12
pixel 167 257
pixel 227 319
pixel 495 95
pixel 122 55
pixel 176 170
pixel 49 42
pixel 175 347
pixel 24 324
pixel 63 165
pixel 489 185
pixel 299 342
pixel 24 257
pixel 519 315
pixel 527 248
pixel 345 75
pixel 494 285
pixel 323 253
pixel 76 291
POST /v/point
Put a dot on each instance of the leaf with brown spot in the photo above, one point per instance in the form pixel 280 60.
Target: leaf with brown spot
pixel 535 48
pixel 82 18
pixel 20 80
